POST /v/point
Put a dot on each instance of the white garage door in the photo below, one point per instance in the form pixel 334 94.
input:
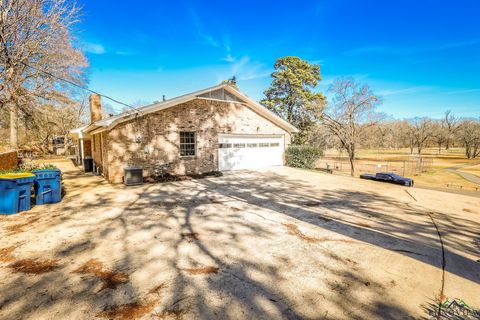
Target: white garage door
pixel 236 152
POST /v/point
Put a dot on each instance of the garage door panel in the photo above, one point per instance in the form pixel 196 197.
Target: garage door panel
pixel 249 151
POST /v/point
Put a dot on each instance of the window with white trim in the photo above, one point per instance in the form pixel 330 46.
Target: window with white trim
pixel 187 144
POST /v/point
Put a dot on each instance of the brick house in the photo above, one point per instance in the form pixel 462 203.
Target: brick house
pixel 215 129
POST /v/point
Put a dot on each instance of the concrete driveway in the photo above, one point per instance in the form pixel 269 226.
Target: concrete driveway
pixel 280 243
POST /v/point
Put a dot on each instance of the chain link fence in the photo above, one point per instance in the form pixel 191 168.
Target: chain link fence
pixel 410 167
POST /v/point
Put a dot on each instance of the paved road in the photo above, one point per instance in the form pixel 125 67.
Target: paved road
pixel 467 176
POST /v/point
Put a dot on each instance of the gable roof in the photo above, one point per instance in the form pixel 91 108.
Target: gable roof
pixel 109 123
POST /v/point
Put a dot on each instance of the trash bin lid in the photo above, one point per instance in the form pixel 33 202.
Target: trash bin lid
pixel 16 175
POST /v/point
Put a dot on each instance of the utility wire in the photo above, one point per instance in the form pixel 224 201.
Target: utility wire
pixel 81 87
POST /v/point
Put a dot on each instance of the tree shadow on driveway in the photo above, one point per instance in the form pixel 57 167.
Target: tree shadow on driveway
pixel 263 271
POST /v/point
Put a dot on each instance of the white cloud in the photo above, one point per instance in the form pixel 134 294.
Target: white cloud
pixel 245 69
pixel 407 90
pixel 229 58
pixel 94 48
pixel 204 36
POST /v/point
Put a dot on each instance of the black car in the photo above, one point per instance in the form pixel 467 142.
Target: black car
pixel 388 177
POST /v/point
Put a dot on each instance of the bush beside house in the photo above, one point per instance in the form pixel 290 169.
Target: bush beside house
pixel 302 156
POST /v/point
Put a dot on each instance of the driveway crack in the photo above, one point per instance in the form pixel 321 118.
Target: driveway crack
pixel 430 214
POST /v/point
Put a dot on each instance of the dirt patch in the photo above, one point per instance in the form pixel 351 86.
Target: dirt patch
pixel 190 236
pixel 467 210
pixel 20 227
pixel 34 266
pixel 6 254
pixel 111 279
pixel 134 310
pixel 203 270
pixel 293 230
pixel 137 309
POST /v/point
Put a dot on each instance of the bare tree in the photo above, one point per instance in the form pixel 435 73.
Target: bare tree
pixel 398 134
pixel 421 130
pixel 351 111
pixel 35 50
pixel 451 124
pixel 469 135
pixel 440 134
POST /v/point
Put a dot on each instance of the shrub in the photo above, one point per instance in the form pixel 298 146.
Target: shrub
pixel 29 168
pixel 47 166
pixel 302 156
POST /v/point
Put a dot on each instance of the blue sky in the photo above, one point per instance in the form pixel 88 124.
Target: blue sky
pixel 421 56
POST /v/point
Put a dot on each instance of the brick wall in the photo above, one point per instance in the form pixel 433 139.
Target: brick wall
pixel 87 147
pixel 104 151
pixel 160 136
pixel 8 160
pixel 96 150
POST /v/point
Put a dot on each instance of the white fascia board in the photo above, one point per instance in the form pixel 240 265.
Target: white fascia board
pixel 153 109
pixel 113 121
pixel 78 133
pixel 77 130
pixel 110 123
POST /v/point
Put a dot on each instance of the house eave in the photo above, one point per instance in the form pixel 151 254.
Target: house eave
pixel 110 123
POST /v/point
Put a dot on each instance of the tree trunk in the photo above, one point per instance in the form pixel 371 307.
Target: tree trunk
pixel 352 167
pixel 439 148
pixel 351 158
pixel 467 150
pixel 13 127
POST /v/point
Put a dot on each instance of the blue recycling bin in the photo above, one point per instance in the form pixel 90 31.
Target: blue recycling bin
pixel 15 192
pixel 47 186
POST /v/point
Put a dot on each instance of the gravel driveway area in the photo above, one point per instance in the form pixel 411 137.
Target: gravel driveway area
pixel 279 243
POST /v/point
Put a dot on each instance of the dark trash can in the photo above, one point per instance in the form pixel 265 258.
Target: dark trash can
pixel 15 192
pixel 47 186
pixel 88 164
pixel 133 176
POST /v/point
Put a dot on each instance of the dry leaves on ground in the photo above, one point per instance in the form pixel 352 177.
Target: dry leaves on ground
pixel 110 278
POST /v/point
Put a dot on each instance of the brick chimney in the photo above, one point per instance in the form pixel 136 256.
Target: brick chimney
pixel 95 108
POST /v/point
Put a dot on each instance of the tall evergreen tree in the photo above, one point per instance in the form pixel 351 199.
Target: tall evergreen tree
pixel 291 94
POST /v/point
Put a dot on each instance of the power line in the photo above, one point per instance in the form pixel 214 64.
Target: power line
pixel 81 87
